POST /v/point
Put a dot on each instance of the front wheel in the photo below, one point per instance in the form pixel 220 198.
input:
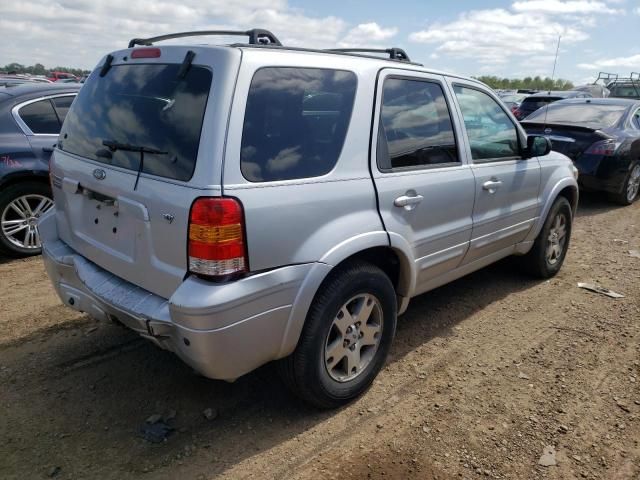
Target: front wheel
pixel 346 338
pixel 549 250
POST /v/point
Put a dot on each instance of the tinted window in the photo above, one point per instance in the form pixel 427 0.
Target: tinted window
pixel 142 105
pixel 534 103
pixel 588 114
pixel 492 134
pixel 416 127
pixel 295 122
pixel 636 119
pixel 631 91
pixel 40 117
pixel 62 105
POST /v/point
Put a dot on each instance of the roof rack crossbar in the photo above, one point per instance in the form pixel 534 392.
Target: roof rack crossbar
pixel 635 76
pixel 394 53
pixel 257 36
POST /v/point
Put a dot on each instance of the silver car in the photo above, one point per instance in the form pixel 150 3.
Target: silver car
pixel 248 203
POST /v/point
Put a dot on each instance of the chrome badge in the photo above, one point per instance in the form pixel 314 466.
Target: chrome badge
pixel 99 174
pixel 547 131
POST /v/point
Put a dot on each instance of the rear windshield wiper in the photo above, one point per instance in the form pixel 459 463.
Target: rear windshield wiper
pixel 125 147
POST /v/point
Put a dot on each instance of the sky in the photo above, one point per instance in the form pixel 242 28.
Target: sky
pixel 505 38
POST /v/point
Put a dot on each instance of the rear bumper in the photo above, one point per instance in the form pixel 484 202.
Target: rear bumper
pixel 221 330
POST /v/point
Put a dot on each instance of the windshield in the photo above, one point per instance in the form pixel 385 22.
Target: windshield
pixel 144 105
pixel 593 115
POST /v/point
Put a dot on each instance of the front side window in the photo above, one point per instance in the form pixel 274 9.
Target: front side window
pixel 415 126
pixel 295 122
pixel 492 134
pixel 40 117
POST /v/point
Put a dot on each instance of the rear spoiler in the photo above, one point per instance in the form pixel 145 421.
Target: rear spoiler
pixel 555 126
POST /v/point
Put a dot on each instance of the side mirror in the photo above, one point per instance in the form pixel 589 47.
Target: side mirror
pixel 537 146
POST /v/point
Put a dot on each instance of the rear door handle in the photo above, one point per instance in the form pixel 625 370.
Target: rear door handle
pixel 492 185
pixel 408 202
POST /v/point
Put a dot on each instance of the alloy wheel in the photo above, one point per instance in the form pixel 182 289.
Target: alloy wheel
pixel 19 221
pixel 354 337
pixel 556 239
pixel 633 185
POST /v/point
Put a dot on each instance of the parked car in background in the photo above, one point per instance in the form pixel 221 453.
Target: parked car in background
pixel 540 99
pixel 57 76
pixel 625 88
pixel 30 118
pixel 513 101
pixel 601 136
pixel 256 217
pixel 7 80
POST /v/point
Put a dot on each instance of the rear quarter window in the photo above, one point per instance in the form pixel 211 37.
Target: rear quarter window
pixel 295 122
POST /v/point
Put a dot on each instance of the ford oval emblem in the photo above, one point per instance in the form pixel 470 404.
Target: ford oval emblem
pixel 99 174
pixel 547 131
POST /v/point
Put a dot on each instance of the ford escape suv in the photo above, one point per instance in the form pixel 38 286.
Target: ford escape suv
pixel 247 203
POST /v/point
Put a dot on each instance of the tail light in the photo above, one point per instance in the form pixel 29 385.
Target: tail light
pixel 145 53
pixel 606 148
pixel 216 238
pixel 516 112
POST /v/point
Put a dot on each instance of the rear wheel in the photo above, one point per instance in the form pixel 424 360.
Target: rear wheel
pixel 346 338
pixel 630 188
pixel 21 206
pixel 549 250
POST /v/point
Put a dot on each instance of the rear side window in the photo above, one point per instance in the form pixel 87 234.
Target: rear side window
pixel 62 105
pixel 40 117
pixel 150 106
pixel 415 126
pixel 295 122
pixel 492 134
pixel 533 103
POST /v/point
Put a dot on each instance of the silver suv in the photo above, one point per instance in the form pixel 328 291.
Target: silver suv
pixel 246 203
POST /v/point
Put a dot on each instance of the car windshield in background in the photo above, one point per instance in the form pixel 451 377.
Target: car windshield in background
pixel 143 105
pixel 586 114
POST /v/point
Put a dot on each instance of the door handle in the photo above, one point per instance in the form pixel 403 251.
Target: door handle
pixel 49 149
pixel 492 185
pixel 408 202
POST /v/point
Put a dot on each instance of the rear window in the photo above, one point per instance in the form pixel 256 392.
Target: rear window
pixel 629 91
pixel 532 103
pixel 598 116
pixel 295 122
pixel 146 106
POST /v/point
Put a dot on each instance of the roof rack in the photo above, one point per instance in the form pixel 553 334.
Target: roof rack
pixel 637 76
pixel 606 77
pixel 394 52
pixel 257 36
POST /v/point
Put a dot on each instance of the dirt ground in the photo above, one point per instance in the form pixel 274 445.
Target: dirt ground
pixel 484 374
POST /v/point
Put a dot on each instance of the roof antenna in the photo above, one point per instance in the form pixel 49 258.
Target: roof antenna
pixel 553 76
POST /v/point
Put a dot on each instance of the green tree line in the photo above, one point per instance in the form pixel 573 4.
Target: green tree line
pixel 535 83
pixel 39 69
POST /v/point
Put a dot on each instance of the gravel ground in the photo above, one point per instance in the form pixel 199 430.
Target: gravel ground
pixel 486 375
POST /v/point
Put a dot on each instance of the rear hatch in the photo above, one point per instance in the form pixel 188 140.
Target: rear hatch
pixel 142 140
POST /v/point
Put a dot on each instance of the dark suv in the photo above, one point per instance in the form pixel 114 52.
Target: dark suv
pixel 31 115
pixel 539 100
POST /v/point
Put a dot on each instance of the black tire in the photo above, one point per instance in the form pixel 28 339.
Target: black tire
pixel 304 371
pixel 7 196
pixel 622 197
pixel 537 262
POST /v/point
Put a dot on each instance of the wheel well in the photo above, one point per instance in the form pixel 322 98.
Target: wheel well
pixel 571 194
pixel 385 258
pixel 20 178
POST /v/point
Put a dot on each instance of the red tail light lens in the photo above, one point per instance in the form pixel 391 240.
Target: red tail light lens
pixel 145 53
pixel 216 238
pixel 605 148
